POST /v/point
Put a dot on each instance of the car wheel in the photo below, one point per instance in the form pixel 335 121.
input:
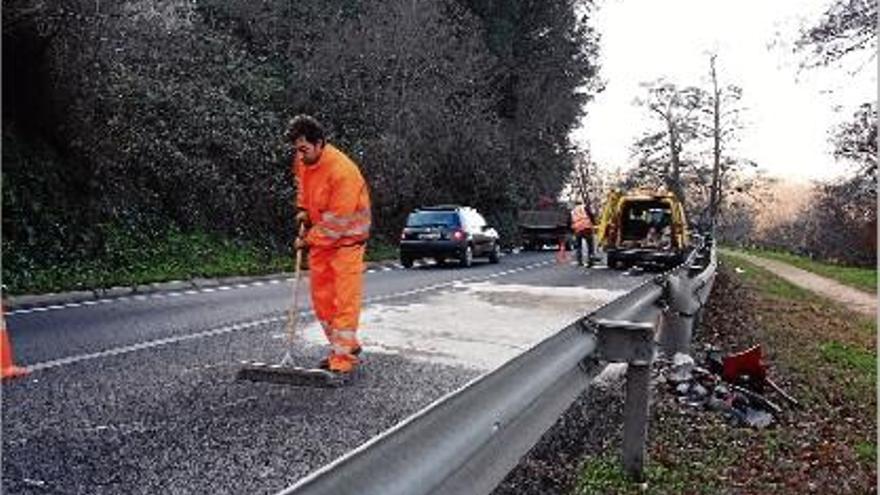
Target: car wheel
pixel 495 254
pixel 406 262
pixel 467 256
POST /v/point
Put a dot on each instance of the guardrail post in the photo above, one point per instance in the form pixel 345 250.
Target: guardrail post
pixel 676 324
pixel 635 419
pixel 632 343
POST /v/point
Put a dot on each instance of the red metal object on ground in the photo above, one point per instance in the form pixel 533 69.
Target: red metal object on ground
pixel 748 363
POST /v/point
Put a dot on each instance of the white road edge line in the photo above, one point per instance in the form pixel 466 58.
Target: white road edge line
pixel 153 343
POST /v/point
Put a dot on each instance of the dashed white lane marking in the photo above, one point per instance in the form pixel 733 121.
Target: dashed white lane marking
pixel 208 290
pixel 239 326
pixel 153 343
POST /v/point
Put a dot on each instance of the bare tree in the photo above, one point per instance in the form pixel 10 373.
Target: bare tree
pixel 856 141
pixel 661 151
pixel 845 214
pixel 848 26
pixel 723 109
pixel 585 183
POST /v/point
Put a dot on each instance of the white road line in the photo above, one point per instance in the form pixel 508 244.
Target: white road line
pixel 153 343
pixel 258 283
pixel 226 329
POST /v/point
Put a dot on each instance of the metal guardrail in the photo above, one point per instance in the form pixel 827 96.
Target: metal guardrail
pixel 467 441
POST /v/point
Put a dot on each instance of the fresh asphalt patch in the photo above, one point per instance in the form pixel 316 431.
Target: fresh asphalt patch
pixel 144 423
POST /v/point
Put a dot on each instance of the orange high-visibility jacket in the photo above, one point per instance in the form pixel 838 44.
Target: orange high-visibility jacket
pixel 580 220
pixel 335 195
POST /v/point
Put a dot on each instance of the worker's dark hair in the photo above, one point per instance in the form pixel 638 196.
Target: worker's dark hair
pixel 308 127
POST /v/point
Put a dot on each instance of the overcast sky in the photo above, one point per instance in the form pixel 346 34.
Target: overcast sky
pixel 788 113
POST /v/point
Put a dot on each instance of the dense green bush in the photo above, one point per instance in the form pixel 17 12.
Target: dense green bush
pixel 156 117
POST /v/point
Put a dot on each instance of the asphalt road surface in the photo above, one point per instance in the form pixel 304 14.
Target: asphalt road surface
pixel 137 395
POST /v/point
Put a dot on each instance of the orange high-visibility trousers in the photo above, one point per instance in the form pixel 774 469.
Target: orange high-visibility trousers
pixel 336 276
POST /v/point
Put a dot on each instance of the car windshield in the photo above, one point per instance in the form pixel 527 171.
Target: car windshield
pixel 432 219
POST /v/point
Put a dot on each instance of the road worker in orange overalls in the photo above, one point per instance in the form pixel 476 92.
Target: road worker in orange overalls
pixel 582 225
pixel 334 203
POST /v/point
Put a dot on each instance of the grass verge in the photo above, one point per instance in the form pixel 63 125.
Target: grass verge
pixel 860 278
pixel 819 352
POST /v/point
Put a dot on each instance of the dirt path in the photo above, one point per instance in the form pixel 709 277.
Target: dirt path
pixel 854 299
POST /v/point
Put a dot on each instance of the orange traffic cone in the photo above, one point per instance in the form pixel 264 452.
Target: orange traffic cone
pixel 561 255
pixel 7 368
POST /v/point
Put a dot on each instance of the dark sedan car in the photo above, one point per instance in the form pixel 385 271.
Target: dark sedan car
pixel 448 232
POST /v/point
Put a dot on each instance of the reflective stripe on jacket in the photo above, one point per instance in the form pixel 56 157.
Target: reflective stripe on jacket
pixel 337 200
pixel 580 220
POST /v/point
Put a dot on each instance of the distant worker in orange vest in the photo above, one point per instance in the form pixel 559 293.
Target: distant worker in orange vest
pixel 582 225
pixel 333 202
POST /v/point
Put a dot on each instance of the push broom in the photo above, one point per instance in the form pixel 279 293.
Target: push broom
pixel 286 372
